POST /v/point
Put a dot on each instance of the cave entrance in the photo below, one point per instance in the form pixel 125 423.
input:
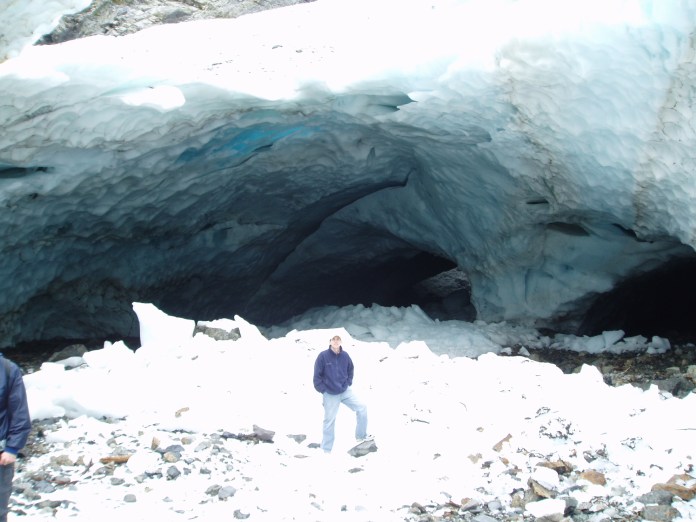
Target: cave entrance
pixel 401 277
pixel 433 283
pixel 661 302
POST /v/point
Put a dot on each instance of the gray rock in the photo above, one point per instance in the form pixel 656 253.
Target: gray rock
pixel 263 434
pixel 660 497
pixel 659 513
pixel 213 490
pixel 483 518
pixel 226 492
pixel 363 448
pixel 173 473
pixel 108 17
pixel 218 333
pixel 74 350
pixel 130 498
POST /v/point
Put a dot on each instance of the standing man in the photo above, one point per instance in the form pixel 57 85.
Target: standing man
pixel 15 425
pixel 333 377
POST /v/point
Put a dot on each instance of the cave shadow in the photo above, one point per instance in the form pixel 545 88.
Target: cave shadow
pixel 658 303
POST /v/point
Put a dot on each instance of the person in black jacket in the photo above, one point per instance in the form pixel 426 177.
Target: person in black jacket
pixel 15 425
pixel 333 377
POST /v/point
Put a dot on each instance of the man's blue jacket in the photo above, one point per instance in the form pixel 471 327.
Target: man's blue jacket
pixel 15 422
pixel 333 373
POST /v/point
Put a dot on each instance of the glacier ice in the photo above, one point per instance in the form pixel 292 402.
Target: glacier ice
pixel 300 156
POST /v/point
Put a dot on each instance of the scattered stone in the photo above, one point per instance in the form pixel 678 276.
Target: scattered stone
pixel 202 446
pixel 499 446
pixel 470 504
pixel 239 515
pixel 213 490
pixel 263 434
pixel 691 373
pixel 130 498
pixel 73 350
pixel 115 459
pixel 594 477
pixel 171 457
pixel 657 496
pixel 483 518
pixel 62 460
pixel 363 448
pixel 298 438
pixel 559 466
pixel 226 492
pixel 683 492
pixel 659 513
pixel 173 473
pixel 219 334
pixel 540 490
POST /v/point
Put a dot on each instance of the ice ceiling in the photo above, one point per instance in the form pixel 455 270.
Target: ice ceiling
pixel 343 151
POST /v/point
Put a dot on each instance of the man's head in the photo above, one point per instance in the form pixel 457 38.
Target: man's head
pixel 336 343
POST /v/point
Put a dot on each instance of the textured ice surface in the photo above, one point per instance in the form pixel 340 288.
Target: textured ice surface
pixel 236 166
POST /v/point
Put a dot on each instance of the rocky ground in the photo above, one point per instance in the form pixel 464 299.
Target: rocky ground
pixel 131 468
pixel 669 371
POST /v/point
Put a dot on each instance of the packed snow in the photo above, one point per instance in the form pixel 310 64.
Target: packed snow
pixel 456 422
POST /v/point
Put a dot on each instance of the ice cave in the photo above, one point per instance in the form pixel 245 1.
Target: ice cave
pixel 527 161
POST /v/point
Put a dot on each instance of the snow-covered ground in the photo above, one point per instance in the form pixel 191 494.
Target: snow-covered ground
pixel 460 427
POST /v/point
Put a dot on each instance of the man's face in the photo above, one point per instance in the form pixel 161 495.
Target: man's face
pixel 336 344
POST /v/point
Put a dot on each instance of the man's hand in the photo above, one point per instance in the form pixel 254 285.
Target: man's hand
pixel 7 458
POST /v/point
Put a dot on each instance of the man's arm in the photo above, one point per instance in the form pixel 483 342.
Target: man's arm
pixel 319 374
pixel 19 420
pixel 351 370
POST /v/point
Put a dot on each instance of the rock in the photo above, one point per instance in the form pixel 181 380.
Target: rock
pixel 202 446
pixel 50 504
pixel 173 473
pixel 74 350
pixel 171 457
pixel 499 445
pixel 363 448
pixel 130 498
pixel 677 386
pixel 659 513
pixel 691 373
pixel 298 438
pixel 483 518
pixel 470 504
pixel 239 515
pixel 547 477
pixel 263 434
pixel 417 509
pixel 218 334
pixel 226 492
pixel 594 477
pixel 539 490
pixel 213 490
pixel 683 492
pixel 657 496
pixel 559 466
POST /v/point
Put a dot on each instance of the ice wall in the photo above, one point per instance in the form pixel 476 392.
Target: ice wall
pixel 300 156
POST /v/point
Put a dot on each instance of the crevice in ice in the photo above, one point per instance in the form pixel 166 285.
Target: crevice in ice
pixel 21 172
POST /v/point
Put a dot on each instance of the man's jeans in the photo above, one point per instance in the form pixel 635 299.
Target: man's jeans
pixel 331 404
pixel 6 476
